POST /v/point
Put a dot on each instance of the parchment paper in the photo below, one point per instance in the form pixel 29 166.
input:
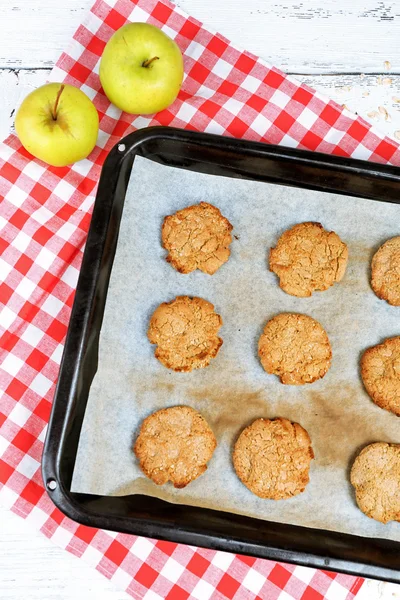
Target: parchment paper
pixel 130 383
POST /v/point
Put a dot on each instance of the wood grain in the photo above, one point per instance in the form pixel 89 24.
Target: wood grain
pixel 300 37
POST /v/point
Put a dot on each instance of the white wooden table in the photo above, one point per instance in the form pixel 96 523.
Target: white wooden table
pixel 349 50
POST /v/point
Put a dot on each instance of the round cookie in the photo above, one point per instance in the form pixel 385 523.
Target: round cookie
pixel 174 444
pixel 296 348
pixel 272 458
pixel 197 237
pixel 380 372
pixel 375 476
pixel 308 258
pixel 385 271
pixel 185 331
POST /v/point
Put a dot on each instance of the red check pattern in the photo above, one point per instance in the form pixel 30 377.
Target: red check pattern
pixel 44 218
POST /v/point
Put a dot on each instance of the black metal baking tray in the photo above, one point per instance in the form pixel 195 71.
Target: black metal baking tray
pixel 143 515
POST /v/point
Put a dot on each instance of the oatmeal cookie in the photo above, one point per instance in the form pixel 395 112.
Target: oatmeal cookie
pixel 380 372
pixel 385 271
pixel 296 348
pixel 375 476
pixel 197 237
pixel 308 258
pixel 185 331
pixel 272 458
pixel 174 444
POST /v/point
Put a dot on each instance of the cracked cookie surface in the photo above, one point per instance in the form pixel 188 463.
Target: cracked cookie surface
pixel 272 458
pixel 185 331
pixel 375 476
pixel 296 348
pixel 308 258
pixel 174 444
pixel 380 372
pixel 385 272
pixel 197 237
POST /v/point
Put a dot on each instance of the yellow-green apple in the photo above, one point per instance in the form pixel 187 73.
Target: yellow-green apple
pixel 141 69
pixel 57 123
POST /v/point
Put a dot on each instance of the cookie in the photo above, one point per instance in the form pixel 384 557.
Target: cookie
pixel 185 331
pixel 380 372
pixel 197 237
pixel 385 271
pixel 272 458
pixel 174 444
pixel 375 476
pixel 296 348
pixel 308 258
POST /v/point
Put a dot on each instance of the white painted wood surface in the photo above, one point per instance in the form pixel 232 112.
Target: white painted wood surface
pixel 313 36
pixel 32 568
pixel 337 46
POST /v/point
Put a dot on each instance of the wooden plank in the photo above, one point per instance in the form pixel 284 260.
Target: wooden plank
pixel 14 86
pixel 360 94
pixel 32 567
pixel 35 33
pixel 300 37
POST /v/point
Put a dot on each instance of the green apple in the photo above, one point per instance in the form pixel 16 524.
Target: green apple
pixel 141 69
pixel 58 124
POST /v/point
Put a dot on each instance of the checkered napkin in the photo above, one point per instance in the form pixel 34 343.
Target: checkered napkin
pixel 44 218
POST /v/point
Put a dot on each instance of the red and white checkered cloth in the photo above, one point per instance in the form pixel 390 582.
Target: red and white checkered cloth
pixel 44 218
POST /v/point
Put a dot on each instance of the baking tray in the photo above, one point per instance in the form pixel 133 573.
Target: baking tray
pixel 152 517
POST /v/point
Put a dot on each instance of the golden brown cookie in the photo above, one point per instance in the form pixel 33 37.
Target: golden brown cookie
pixel 197 237
pixel 385 271
pixel 296 348
pixel 308 258
pixel 185 331
pixel 174 444
pixel 380 372
pixel 272 458
pixel 375 475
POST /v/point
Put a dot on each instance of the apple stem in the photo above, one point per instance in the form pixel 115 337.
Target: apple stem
pixel 54 111
pixel 148 62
